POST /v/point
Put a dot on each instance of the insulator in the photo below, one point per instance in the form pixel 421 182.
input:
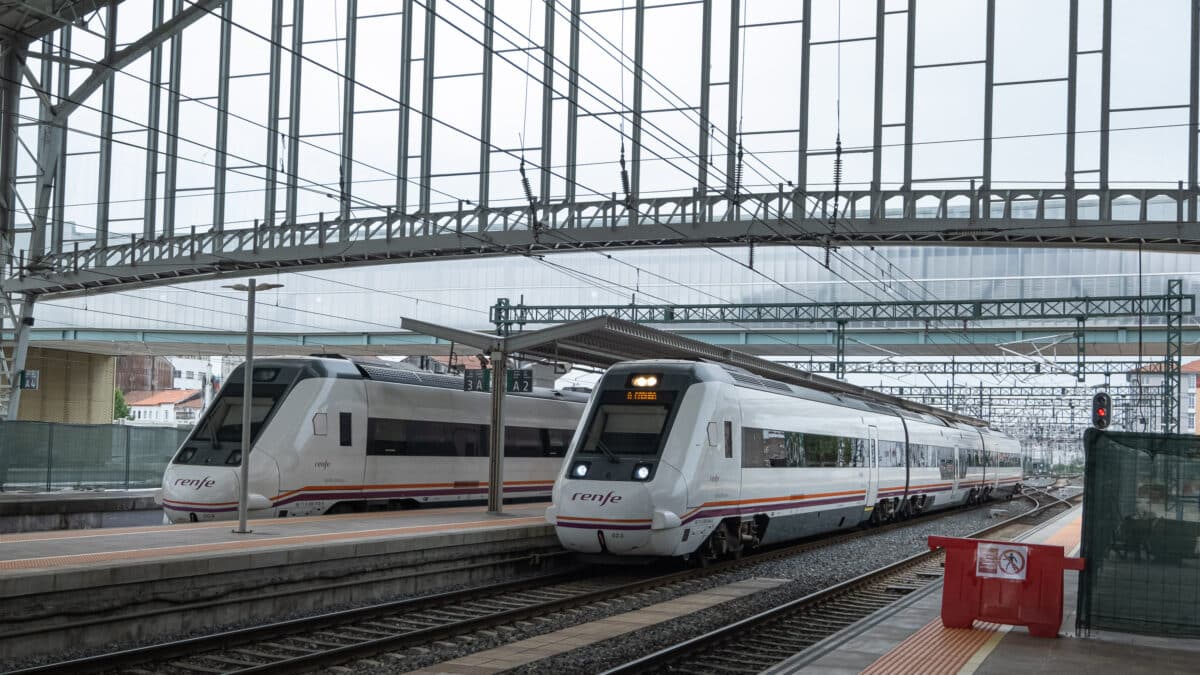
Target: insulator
pixel 525 184
pixel 837 163
pixel 624 173
pixel 751 255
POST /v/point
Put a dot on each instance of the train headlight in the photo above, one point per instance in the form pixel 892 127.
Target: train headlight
pixel 580 469
pixel 234 458
pixel 642 472
pixel 185 455
pixel 644 381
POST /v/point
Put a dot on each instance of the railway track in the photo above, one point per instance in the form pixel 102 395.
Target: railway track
pixel 314 642
pixel 756 643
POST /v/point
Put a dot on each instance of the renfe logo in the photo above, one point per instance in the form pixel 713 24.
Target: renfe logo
pixel 195 483
pixel 609 498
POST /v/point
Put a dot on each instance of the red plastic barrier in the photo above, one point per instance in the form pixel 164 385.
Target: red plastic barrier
pixel 1003 582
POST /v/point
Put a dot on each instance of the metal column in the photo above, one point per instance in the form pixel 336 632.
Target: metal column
pixel 221 159
pixel 346 170
pixel 171 170
pixel 573 103
pixel 106 124
pixel 909 77
pixel 1172 357
pixel 20 352
pixel 293 149
pixel 150 213
pixel 427 105
pixel 639 40
pixel 496 436
pixel 731 129
pixel 273 77
pixel 402 133
pixel 840 340
pixel 805 103
pixel 548 105
pixel 989 65
pixel 705 68
pixel 1105 100
pixel 10 91
pixel 485 119
pixel 1194 116
pixel 877 137
pixel 1072 95
pixel 59 209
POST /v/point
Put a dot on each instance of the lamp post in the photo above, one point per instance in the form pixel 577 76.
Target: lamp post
pixel 247 399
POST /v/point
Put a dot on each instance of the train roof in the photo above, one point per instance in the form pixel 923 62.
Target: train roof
pixel 846 395
pixel 378 370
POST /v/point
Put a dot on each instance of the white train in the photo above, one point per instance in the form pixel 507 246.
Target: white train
pixel 332 434
pixel 675 458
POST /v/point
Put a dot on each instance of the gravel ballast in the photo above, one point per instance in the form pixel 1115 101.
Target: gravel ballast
pixel 808 572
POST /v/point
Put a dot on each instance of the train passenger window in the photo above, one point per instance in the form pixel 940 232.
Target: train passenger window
pixel 728 439
pixel 320 424
pixel 557 442
pixel 523 442
pixel 344 422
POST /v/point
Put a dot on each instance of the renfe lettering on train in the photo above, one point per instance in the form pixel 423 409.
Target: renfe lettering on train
pixel 609 498
pixel 196 483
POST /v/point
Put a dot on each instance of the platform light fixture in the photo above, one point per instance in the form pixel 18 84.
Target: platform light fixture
pixel 247 398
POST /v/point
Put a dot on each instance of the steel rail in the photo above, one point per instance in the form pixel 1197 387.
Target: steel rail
pixel 226 640
pixel 673 655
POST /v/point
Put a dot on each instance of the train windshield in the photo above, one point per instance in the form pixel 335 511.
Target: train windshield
pixel 621 426
pixel 217 438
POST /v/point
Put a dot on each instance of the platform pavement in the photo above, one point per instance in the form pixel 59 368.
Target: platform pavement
pixel 23 511
pixel 909 638
pixel 58 577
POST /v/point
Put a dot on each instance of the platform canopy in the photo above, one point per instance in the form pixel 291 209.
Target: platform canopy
pixel 604 341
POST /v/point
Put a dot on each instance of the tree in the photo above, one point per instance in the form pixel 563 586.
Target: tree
pixel 120 408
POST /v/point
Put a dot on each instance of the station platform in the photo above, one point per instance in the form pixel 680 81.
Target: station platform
pixel 70 509
pixel 909 637
pixel 284 565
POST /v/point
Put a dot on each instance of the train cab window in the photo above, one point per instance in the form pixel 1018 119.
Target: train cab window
pixel 728 440
pixel 626 429
pixel 345 429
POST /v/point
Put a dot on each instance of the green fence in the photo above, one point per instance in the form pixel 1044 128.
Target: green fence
pixel 47 455
pixel 1141 534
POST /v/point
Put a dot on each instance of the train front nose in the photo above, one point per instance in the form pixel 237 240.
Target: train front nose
pixel 193 493
pixel 604 517
pixel 616 517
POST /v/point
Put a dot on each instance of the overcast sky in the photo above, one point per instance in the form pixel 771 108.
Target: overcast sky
pixel 1150 68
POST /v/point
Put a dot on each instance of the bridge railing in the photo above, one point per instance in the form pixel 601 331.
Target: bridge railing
pixel 793 212
pixel 53 456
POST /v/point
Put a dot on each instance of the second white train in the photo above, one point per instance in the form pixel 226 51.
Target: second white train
pixel 685 459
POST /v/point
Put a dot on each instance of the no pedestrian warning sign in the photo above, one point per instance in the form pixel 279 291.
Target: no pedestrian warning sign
pixel 1001 561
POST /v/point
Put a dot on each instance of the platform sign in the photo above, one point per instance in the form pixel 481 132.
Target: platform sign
pixel 30 379
pixel 477 379
pixel 1001 561
pixel 520 381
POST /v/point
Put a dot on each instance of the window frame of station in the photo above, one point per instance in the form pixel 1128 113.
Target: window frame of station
pixel 479 434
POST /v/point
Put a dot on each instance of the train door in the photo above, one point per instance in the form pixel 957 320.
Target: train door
pixel 873 470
